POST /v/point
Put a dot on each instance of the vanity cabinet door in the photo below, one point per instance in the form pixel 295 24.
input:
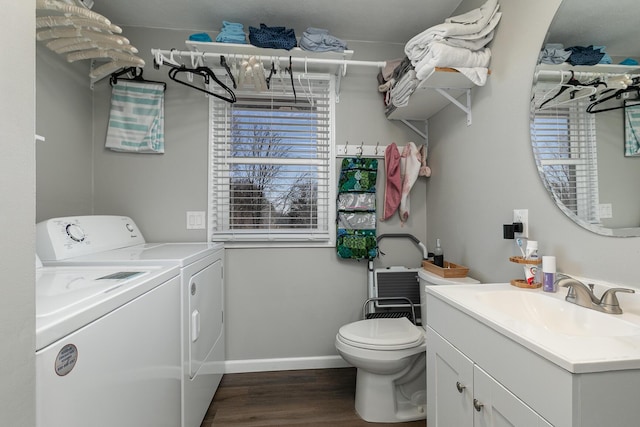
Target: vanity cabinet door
pixel 450 384
pixel 495 406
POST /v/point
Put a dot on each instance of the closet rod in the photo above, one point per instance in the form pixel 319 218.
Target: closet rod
pixel 556 74
pixel 157 53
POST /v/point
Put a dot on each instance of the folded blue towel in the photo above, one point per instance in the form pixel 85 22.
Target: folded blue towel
pixel 232 32
pixel 629 61
pixel 200 37
pixel 319 40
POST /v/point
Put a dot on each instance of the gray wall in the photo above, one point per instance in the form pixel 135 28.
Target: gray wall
pixel 17 216
pixel 490 170
pixel 64 116
pixel 617 175
pixel 270 293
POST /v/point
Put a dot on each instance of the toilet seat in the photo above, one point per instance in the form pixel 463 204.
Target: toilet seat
pixel 382 334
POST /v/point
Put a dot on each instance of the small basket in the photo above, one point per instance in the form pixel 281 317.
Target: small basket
pixel 450 270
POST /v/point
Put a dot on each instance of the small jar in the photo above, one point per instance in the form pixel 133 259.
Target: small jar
pixel 549 274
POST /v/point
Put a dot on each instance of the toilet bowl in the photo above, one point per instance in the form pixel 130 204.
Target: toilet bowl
pixel 389 354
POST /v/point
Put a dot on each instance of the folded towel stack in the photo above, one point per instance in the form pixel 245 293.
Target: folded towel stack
pixel 273 37
pixel 397 80
pixel 232 32
pixel 556 53
pixel 460 43
pixel 319 40
pixel 457 43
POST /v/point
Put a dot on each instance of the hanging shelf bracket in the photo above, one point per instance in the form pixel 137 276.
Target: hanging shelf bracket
pixel 465 108
pixel 415 129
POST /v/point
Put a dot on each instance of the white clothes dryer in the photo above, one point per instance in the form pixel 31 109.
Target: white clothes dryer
pixel 107 346
pixel 113 240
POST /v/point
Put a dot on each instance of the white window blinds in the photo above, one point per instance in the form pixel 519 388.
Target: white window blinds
pixel 563 136
pixel 270 162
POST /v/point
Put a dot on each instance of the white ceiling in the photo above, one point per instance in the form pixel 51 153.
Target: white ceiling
pixel 394 21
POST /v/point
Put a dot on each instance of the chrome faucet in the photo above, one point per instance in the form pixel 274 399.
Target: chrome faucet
pixel 583 296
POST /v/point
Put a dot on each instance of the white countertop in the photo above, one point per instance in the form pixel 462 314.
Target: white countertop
pixel 575 338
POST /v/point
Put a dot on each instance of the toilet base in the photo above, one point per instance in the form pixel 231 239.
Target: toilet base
pixel 379 400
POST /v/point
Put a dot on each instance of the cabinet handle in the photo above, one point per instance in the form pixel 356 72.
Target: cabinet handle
pixel 477 405
pixel 460 387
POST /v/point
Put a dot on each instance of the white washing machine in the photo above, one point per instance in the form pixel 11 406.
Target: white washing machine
pixel 107 346
pixel 115 240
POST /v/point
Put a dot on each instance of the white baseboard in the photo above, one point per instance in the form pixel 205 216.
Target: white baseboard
pixel 284 364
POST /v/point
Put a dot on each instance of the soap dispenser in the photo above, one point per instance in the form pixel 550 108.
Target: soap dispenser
pixel 438 255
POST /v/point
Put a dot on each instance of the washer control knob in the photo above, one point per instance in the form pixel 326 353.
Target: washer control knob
pixel 129 227
pixel 75 232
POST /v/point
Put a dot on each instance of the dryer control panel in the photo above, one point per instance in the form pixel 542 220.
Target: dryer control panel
pixel 67 237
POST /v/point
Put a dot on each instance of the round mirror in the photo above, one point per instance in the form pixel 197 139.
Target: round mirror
pixel 585 115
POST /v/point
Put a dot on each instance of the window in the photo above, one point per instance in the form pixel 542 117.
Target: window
pixel 271 154
pixel 564 144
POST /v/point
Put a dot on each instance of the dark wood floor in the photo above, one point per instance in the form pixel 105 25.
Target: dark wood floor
pixel 318 397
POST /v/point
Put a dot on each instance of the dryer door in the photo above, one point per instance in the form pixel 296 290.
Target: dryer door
pixel 205 314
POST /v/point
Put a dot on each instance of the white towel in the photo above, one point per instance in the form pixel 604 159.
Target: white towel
pixel 442 55
pixel 478 75
pixel 401 92
pixel 418 46
pixel 136 120
pixel 410 169
pixel 479 16
pixel 475 44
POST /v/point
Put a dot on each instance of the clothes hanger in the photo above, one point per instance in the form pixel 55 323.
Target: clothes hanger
pixel 257 70
pixel 289 70
pixel 223 62
pixel 618 95
pixel 136 74
pixel 577 90
pixel 207 74
pixel 272 71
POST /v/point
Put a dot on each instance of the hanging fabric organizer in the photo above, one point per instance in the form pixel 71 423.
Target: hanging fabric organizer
pixel 356 209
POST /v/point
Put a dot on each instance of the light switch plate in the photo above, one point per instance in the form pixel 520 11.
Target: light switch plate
pixel 196 220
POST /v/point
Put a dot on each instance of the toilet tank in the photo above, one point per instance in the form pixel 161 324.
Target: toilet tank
pixel 427 278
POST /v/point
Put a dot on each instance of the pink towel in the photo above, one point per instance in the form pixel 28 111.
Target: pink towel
pixel 392 191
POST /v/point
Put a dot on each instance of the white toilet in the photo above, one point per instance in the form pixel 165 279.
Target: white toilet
pixel 390 357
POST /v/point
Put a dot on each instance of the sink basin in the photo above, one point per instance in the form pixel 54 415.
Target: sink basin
pixel 576 338
pixel 555 315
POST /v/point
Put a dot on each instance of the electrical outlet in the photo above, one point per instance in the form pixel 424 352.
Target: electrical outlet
pixel 605 210
pixel 522 215
pixel 195 220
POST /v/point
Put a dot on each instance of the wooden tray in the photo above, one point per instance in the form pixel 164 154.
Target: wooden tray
pixel 521 260
pixel 523 284
pixel 450 269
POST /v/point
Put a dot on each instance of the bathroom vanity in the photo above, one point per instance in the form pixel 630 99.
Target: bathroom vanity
pixel 499 355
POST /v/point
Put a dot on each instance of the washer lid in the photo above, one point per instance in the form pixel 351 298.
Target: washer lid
pixel 68 298
pixel 382 334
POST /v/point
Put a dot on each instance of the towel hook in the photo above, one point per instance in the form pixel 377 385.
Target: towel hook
pixel 377 145
pixel 361 149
